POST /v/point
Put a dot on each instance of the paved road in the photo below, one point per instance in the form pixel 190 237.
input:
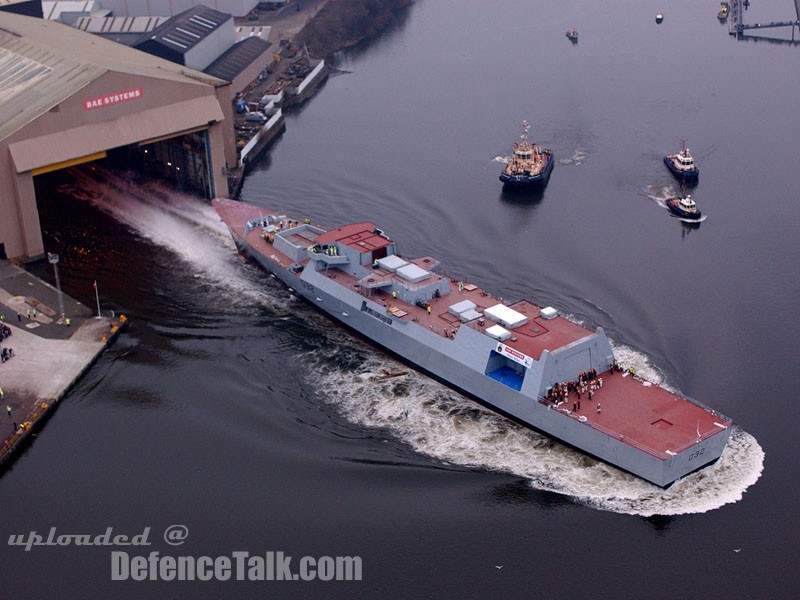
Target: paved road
pixel 287 22
pixel 49 355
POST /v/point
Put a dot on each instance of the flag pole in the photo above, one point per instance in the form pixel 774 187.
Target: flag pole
pixel 97 297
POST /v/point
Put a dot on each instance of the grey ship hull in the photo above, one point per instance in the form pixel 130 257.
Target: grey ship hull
pixel 461 366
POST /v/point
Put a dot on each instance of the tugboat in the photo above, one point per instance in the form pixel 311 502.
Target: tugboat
pixel 573 35
pixel 684 207
pixel 530 166
pixel 682 164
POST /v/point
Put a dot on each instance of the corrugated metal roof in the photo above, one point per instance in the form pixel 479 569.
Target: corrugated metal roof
pixel 245 31
pixel 123 30
pixel 135 25
pixel 53 10
pixel 187 29
pixel 237 58
pixel 42 63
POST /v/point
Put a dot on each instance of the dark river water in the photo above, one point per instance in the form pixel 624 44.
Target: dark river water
pixel 235 410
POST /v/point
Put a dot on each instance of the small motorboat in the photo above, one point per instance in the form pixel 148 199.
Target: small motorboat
pixel 724 8
pixel 682 165
pixel 659 18
pixel 572 35
pixel 684 207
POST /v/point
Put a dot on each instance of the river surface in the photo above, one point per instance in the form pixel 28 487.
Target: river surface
pixel 238 411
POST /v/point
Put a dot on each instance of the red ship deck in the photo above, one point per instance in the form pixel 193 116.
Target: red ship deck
pixel 646 416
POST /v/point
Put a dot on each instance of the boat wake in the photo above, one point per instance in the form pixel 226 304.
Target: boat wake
pixel 691 221
pixel 429 417
pixel 659 195
pixel 576 159
pixel 182 223
pixel 441 423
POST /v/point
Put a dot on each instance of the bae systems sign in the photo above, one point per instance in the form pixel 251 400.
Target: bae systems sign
pixel 515 355
pixel 114 98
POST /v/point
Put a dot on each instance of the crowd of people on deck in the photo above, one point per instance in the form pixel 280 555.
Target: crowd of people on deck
pixel 587 384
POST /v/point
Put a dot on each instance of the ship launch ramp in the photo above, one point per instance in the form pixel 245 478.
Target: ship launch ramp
pixel 68 97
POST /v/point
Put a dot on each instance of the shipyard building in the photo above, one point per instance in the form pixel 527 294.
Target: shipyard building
pixel 139 8
pixel 68 97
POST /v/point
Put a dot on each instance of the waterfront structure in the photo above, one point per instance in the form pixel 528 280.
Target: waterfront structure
pixel 68 97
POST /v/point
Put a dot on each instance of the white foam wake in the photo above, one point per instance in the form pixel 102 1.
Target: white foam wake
pixel 577 158
pixel 443 424
pixel 182 223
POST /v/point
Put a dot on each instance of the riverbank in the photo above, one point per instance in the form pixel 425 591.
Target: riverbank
pixel 306 34
pixel 50 353
pixel 327 26
pixel 341 24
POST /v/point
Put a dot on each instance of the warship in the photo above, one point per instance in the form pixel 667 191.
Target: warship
pixel 527 362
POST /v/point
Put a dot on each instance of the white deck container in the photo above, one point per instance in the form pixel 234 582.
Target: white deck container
pixel 392 262
pixel 506 316
pixel 413 273
pixel 498 333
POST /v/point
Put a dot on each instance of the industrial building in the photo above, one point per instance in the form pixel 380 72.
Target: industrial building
pixel 69 97
pixel 195 37
pixel 142 8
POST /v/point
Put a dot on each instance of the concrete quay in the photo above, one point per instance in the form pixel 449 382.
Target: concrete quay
pixel 50 354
